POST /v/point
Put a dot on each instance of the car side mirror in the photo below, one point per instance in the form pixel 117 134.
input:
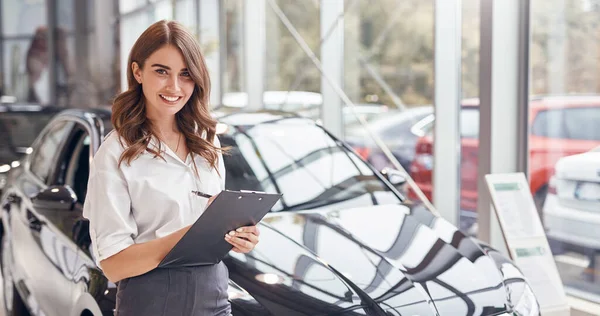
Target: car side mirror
pixel 57 197
pixel 395 177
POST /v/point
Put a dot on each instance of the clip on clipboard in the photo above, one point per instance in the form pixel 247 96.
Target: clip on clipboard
pixel 204 243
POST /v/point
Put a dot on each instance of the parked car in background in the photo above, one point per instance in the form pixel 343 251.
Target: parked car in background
pixel 572 207
pixel 351 244
pixel 367 111
pixel 560 126
pixel 398 131
pixel 304 103
pixel 20 124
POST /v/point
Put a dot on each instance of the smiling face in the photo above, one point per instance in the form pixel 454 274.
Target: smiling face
pixel 166 82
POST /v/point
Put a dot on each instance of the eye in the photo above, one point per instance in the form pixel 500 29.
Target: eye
pixel 161 71
pixel 185 73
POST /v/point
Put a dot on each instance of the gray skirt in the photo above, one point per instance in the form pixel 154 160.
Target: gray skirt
pixel 197 291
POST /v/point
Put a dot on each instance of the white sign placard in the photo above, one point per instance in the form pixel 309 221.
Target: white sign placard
pixel 526 240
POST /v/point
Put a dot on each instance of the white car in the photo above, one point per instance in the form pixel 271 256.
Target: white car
pixel 572 207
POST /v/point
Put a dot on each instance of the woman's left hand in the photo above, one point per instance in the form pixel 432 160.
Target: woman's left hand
pixel 243 239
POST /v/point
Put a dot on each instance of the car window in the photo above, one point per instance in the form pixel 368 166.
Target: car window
pixel 469 124
pixel 46 150
pixel 72 167
pixel 403 128
pixel 394 125
pixel 301 161
pixel 549 123
pixel 579 123
pixel 582 123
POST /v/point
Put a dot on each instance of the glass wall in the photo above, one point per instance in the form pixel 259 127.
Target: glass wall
pixel 186 12
pixel 71 66
pixel 388 74
pixel 469 115
pixel 422 165
pixel 564 139
pixel 134 20
pixel 233 77
pixel 292 81
pixel 25 50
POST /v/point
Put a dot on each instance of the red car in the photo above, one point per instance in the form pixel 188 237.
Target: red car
pixel 559 127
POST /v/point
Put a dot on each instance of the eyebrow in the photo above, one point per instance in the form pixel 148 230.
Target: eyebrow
pixel 166 67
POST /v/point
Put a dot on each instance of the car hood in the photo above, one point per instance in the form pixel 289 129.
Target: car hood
pixel 404 260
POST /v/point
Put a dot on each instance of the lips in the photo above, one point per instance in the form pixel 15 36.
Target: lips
pixel 169 98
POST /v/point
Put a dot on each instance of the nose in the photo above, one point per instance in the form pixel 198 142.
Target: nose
pixel 173 83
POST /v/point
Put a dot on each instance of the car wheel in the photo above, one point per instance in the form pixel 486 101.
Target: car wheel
pixel 13 304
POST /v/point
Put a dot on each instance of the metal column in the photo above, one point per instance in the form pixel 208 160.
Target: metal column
pixel 51 6
pixel 254 51
pixel 332 60
pixel 209 12
pixel 502 75
pixel 448 78
pixel 3 71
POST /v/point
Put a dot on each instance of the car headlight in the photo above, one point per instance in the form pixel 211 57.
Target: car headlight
pixel 527 304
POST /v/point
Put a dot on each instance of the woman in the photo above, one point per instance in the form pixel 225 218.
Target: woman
pixel 139 199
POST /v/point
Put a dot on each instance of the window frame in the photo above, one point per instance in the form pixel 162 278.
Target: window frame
pixel 67 155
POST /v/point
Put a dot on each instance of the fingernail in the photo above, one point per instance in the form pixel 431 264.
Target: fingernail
pixel 227 237
pixel 232 233
pixel 239 230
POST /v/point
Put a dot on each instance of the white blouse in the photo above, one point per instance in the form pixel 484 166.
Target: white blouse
pixel 148 199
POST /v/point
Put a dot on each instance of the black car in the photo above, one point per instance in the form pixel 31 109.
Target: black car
pixel 20 124
pixel 340 242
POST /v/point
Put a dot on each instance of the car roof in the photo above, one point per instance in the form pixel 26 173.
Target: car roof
pixel 562 101
pixel 551 101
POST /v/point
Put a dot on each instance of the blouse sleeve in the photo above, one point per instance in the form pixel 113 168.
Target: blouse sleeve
pixel 108 205
pixel 220 163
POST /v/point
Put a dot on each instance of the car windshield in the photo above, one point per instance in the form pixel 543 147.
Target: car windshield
pixel 298 159
pixel 18 130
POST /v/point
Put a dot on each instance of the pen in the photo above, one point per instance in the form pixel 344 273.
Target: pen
pixel 202 194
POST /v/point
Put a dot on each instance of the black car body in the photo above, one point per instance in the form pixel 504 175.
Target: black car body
pixel 340 242
pixel 19 126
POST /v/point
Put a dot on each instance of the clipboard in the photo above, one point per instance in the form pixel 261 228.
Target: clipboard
pixel 204 243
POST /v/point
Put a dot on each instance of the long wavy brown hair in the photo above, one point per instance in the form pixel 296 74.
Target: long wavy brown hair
pixel 193 120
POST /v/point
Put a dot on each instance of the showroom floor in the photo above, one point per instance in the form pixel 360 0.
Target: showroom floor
pixel 573 269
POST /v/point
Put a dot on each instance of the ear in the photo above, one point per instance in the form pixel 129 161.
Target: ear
pixel 137 72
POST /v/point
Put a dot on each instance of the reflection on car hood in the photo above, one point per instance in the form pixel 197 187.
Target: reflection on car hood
pixel 407 260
